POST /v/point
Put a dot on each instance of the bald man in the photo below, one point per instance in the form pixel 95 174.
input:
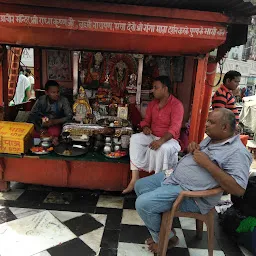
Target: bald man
pixel 221 160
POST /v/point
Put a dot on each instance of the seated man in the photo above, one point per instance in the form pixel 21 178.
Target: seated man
pixel 50 111
pixel 156 148
pixel 220 160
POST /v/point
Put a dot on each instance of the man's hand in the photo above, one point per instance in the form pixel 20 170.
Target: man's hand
pixel 192 147
pixel 146 130
pixel 49 123
pixel 202 159
pixel 155 145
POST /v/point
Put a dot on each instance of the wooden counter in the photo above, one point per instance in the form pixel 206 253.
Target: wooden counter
pixel 91 171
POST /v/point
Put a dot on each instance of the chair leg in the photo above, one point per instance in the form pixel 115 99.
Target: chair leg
pixel 210 232
pixel 199 229
pixel 164 234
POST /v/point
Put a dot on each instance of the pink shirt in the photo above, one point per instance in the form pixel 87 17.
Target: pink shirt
pixel 167 119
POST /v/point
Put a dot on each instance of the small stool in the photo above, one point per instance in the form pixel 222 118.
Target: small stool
pixel 251 144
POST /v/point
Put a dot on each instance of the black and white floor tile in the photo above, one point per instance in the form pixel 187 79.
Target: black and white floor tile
pixel 47 221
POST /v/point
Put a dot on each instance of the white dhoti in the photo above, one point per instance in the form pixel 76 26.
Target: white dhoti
pixel 144 158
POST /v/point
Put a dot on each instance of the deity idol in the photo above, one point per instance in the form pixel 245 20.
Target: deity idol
pixel 81 107
pixel 119 78
pixel 96 70
pixel 132 87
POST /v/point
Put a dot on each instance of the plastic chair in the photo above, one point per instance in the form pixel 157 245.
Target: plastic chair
pixel 208 218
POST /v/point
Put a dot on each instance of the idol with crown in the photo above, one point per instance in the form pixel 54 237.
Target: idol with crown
pixel 81 108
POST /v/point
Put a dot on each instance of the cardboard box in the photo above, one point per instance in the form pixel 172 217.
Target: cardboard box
pixel 15 138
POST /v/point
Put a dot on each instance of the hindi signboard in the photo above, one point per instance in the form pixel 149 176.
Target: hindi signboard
pixel 114 26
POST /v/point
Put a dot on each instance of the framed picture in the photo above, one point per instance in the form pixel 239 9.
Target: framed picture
pixel 122 112
pixel 58 65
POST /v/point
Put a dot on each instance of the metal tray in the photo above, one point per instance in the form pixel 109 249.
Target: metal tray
pixel 76 150
pixel 42 153
pixel 113 157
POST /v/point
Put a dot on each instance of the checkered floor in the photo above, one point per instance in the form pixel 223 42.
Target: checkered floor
pixel 46 221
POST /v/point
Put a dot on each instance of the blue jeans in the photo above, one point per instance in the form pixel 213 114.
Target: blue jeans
pixel 154 198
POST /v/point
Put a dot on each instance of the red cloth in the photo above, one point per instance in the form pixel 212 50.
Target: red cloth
pixel 167 119
pixel 184 139
pixel 134 115
pixel 53 131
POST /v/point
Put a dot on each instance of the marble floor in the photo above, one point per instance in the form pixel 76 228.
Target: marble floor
pixel 47 221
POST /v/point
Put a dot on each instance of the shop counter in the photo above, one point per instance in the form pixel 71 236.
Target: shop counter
pixel 90 171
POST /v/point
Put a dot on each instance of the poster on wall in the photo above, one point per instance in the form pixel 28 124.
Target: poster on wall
pixel 58 65
pixel 27 57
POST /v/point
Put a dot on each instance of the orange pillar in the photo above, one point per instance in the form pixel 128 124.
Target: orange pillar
pixel 198 99
pixel 209 83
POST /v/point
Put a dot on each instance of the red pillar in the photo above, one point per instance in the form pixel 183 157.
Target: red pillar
pixel 209 83
pixel 37 68
pixel 198 99
pixel 1 75
pixel 5 81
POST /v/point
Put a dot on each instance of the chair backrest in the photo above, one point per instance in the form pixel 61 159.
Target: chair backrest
pixel 194 194
pixel 203 193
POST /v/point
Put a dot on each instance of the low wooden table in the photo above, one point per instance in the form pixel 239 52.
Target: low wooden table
pixel 91 171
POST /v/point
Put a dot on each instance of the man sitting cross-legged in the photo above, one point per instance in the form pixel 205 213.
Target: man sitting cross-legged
pixel 220 160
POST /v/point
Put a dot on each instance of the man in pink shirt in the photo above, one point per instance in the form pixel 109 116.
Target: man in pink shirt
pixel 156 148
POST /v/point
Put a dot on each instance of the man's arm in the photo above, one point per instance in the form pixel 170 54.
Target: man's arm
pixel 148 117
pixel 166 137
pixel 67 114
pixel 174 128
pixel 193 146
pixel 67 111
pixel 36 115
pixel 28 93
pixel 175 122
pixel 219 100
pixel 232 181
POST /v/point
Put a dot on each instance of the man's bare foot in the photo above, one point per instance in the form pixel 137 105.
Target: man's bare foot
pixel 150 240
pixel 153 247
pixel 130 187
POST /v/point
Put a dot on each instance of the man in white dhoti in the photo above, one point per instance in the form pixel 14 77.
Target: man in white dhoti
pixel 156 148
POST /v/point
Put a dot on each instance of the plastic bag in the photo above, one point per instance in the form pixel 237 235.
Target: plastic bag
pixel 230 220
pixel 246 204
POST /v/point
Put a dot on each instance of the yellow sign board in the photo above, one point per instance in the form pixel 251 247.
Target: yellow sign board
pixel 15 138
